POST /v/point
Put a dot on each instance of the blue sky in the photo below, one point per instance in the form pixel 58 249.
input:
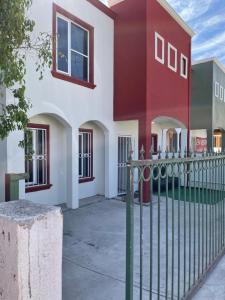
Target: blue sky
pixel 207 19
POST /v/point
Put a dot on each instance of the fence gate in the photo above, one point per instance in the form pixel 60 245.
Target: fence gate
pixel 124 147
pixel 174 242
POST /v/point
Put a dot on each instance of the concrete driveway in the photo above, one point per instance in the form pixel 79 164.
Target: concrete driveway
pixel 94 251
pixel 94 255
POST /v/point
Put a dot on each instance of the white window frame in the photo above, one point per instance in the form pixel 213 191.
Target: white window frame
pixel 35 158
pixel 182 58
pixel 157 38
pixel 217 89
pixel 69 22
pixel 221 93
pixel 171 47
pixel 224 95
pixel 88 155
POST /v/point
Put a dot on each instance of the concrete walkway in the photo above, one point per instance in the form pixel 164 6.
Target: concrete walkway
pixel 94 255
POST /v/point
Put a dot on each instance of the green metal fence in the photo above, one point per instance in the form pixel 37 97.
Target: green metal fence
pixel 175 240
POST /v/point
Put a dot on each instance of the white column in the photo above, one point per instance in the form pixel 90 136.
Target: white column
pixel 178 131
pixel 111 170
pixel 183 140
pixel 16 158
pixel 30 251
pixel 72 169
pixel 164 140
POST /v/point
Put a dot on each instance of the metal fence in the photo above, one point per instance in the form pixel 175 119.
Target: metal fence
pixel 175 240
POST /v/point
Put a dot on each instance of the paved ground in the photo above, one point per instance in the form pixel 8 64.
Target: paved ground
pixel 94 254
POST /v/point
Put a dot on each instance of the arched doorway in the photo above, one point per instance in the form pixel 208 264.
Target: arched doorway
pixel 170 134
pixel 47 160
pixel 92 159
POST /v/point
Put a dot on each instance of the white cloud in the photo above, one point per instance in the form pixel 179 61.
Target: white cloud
pixel 213 42
pixel 189 9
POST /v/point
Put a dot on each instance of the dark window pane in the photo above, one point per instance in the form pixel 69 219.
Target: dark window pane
pixel 28 142
pixel 79 39
pixel 85 137
pixel 40 171
pixel 79 66
pixel 62 38
pixel 29 169
pixel 85 167
pixel 40 142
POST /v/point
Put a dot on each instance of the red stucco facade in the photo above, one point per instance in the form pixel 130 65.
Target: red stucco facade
pixel 145 88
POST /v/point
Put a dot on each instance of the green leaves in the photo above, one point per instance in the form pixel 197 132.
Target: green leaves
pixel 15 45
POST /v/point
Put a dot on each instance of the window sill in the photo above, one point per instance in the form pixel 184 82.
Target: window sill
pixel 83 180
pixel 32 189
pixel 73 80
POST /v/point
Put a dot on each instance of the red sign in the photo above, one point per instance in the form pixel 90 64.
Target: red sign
pixel 200 144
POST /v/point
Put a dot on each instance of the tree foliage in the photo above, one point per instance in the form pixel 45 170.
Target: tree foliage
pixel 16 42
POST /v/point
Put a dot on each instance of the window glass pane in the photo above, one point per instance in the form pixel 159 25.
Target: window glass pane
pixel 41 167
pixel 79 66
pixel 184 67
pixel 28 142
pixel 62 39
pixel 85 170
pixel 40 142
pixel 79 39
pixel 29 169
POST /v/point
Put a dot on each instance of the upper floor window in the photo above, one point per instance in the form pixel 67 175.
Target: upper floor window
pixel 159 48
pixel 164 50
pixel 172 57
pixel 217 88
pixel 221 93
pixel 73 48
pixel 183 66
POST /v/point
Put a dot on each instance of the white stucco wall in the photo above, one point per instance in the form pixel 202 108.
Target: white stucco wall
pixel 75 105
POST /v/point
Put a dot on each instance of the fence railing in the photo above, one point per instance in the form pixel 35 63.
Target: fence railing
pixel 173 242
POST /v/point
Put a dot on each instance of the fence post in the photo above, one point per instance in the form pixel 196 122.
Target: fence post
pixel 30 251
pixel 129 234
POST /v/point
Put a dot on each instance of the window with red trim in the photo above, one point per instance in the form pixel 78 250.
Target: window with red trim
pixel 85 155
pixel 37 157
pixel 72 49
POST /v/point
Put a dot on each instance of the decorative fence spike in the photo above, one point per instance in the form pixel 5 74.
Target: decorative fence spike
pixel 179 153
pixel 151 152
pixel 159 153
pixel 167 153
pixel 185 152
pixel 142 152
pixel 173 154
pixel 130 157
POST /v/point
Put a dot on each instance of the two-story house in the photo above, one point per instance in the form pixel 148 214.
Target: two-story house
pixel 208 105
pixel 120 78
pixel 152 73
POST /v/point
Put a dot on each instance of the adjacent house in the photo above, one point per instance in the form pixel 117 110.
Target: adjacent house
pixel 208 106
pixel 120 79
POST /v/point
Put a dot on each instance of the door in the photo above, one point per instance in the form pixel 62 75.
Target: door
pixel 124 148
